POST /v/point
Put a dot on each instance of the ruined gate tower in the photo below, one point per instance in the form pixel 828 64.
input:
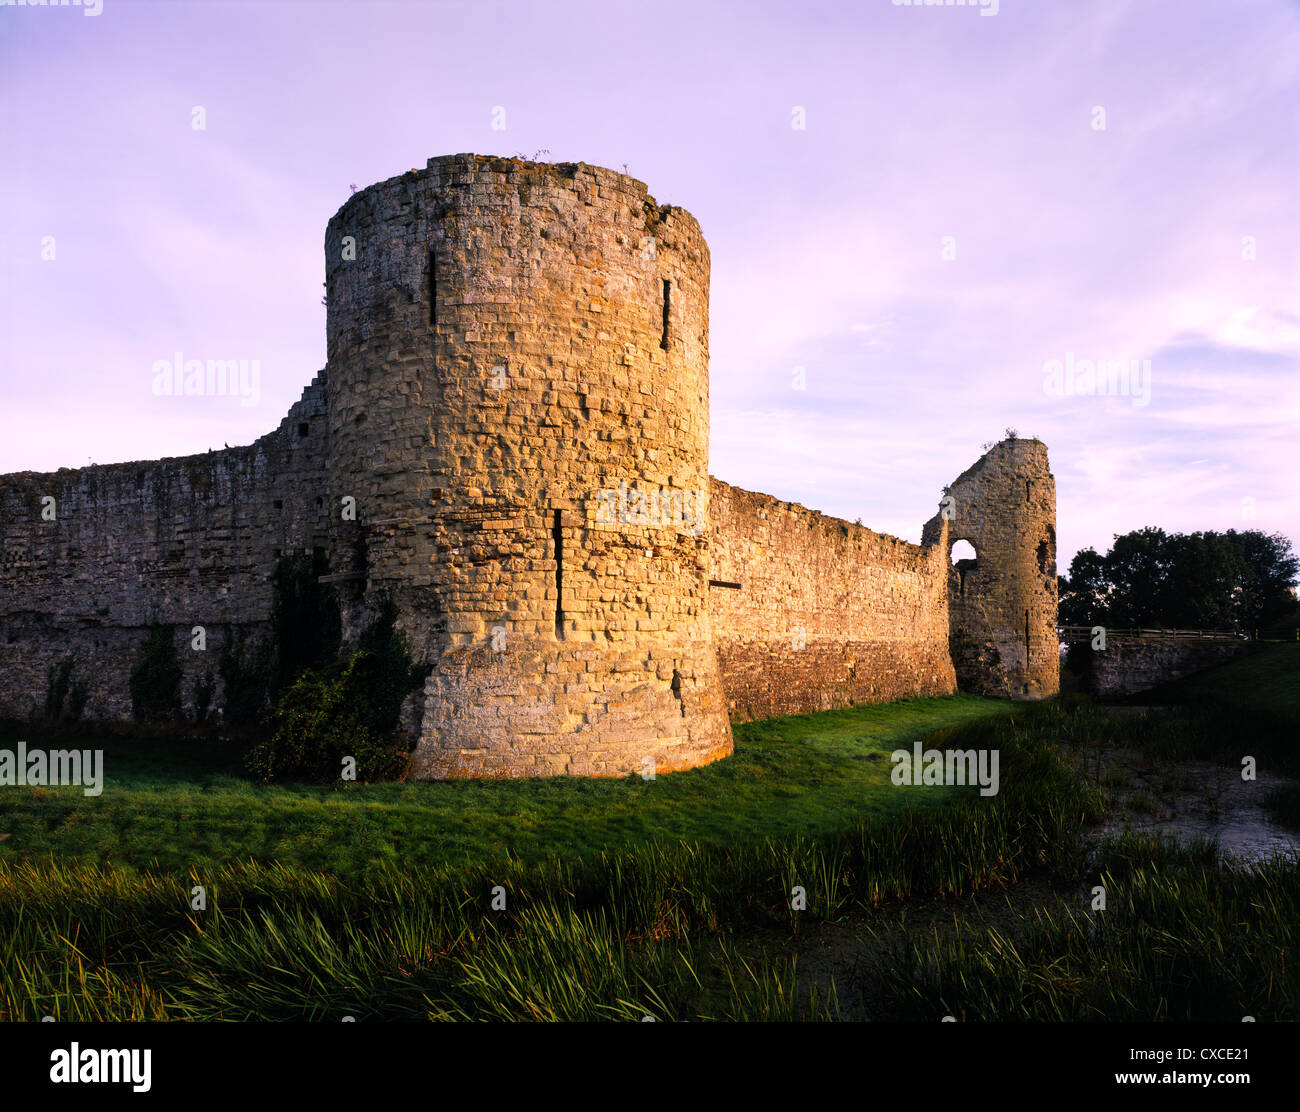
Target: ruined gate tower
pixel 1002 605
pixel 508 342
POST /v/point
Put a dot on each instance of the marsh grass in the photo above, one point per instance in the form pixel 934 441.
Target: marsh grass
pixel 653 930
pixel 673 928
pixel 1181 938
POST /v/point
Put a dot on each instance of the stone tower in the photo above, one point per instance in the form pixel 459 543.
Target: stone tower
pixel 518 439
pixel 1002 604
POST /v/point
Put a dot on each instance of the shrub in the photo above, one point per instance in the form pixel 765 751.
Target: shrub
pixel 348 708
pixel 156 678
pixel 324 716
pixel 1078 659
pixel 76 700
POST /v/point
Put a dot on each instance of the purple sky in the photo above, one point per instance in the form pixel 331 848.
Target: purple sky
pixel 1072 242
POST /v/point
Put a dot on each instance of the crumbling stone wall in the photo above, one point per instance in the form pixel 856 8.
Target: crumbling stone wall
pixel 1128 665
pixel 183 542
pixel 810 612
pixel 1003 605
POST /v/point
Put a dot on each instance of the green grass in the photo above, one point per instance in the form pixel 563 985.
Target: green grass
pixel 627 898
pixel 661 929
pixel 179 804
pixel 1181 938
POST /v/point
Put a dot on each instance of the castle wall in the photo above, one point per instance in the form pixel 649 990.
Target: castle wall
pixel 824 613
pixel 510 442
pixel 185 541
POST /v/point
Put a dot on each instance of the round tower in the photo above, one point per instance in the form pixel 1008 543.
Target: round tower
pixel 1002 603
pixel 518 406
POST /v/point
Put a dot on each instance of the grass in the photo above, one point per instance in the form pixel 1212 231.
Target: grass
pixel 180 804
pixel 670 899
pixel 660 929
pixel 1181 938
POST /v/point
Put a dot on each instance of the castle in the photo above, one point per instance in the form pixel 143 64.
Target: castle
pixel 510 442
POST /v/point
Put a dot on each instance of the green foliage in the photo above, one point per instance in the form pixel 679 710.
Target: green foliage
pixel 156 678
pixel 348 708
pixel 305 618
pixel 628 898
pixel 325 716
pixel 305 628
pixel 1203 580
pixel 1078 658
pixel 390 674
pixel 76 700
pixel 245 667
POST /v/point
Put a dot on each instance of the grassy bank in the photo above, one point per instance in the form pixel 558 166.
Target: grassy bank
pixel 658 929
pixel 686 917
pixel 182 804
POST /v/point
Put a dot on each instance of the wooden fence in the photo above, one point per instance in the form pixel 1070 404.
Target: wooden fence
pixel 1071 634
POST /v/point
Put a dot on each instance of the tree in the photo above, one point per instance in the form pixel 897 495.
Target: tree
pixel 1084 595
pixel 1205 580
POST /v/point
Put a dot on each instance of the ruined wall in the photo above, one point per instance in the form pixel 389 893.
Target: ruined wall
pixel 506 341
pixel 809 612
pixel 1003 604
pixel 184 541
pixel 1127 666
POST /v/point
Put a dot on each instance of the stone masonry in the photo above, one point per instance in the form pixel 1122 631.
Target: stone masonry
pixel 1127 666
pixel 510 441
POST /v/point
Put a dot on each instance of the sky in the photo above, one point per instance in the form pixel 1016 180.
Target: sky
pixel 927 224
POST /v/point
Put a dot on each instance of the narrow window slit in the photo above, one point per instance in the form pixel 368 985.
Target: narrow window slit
pixel 557 535
pixel 433 287
pixel 663 339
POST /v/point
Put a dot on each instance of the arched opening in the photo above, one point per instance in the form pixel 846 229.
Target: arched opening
pixel 964 561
